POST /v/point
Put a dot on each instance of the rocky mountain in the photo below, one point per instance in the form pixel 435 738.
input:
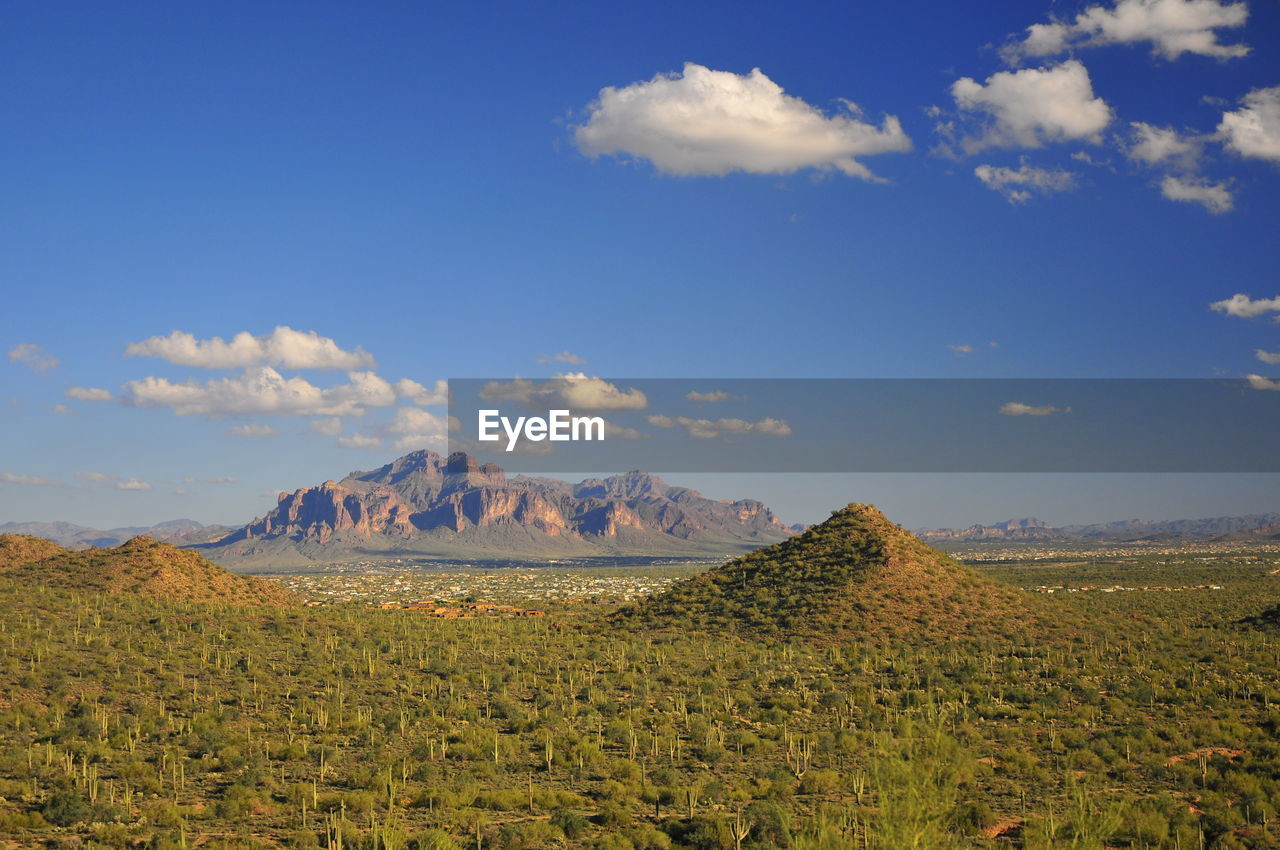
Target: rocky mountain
pixel 1123 531
pixel 140 566
pixel 180 532
pixel 856 576
pixel 425 504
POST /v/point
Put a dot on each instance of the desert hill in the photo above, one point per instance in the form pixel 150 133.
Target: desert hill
pixel 140 566
pixel 19 549
pixel 855 576
pixel 427 505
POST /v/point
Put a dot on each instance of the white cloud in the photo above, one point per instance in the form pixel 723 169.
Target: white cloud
pixel 1017 408
pixel 283 347
pixel 89 394
pixel 418 429
pixel 1163 146
pixel 707 428
pixel 1018 184
pixel 262 390
pixel 1033 106
pixel 1254 130
pixel 29 480
pixel 251 429
pixel 1243 306
pixel 330 427
pixel 562 357
pixel 1215 197
pixel 359 441
pixel 95 477
pixel 712 397
pixel 33 357
pixel 132 484
pixel 705 122
pixel 573 390
pixel 1173 27
pixel 961 349
pixel 1260 383
pixel 225 479
pixel 1271 357
pixel 61 409
pixel 421 395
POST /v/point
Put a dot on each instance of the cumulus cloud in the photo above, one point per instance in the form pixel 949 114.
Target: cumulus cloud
pixel 562 357
pixel 328 427
pixel 89 394
pixel 61 409
pixel 708 428
pixel 1163 146
pixel 1018 184
pixel 573 390
pixel 705 122
pixel 1030 107
pixel 29 480
pixel 96 477
pixel 252 429
pixel 262 390
pixel 961 349
pixel 1254 130
pixel 283 347
pixel 1271 357
pixel 33 357
pixel 1244 307
pixel 1172 27
pixel 712 397
pixel 1260 383
pixel 418 429
pixel 359 441
pixel 1214 197
pixel 1017 408
pixel 421 395
pixel 132 484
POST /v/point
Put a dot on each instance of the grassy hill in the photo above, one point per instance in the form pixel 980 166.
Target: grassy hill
pixel 139 566
pixel 855 576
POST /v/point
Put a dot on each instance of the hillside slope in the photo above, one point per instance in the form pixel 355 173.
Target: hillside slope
pixel 855 576
pixel 17 550
pixel 144 567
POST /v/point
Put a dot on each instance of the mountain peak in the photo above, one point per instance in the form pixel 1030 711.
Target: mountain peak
pixel 422 503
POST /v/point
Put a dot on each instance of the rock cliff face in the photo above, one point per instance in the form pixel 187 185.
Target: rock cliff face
pixel 424 503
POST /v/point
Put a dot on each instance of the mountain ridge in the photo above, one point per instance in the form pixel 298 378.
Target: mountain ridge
pixel 423 504
pixel 1031 529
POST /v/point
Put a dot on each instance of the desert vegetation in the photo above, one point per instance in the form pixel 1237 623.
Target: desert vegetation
pixel 132 721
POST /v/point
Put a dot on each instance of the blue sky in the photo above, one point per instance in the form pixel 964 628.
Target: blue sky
pixel 454 193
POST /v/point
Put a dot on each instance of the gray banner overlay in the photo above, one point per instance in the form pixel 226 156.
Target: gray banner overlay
pixel 869 425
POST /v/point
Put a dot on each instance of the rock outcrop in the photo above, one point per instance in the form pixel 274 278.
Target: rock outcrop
pixel 423 503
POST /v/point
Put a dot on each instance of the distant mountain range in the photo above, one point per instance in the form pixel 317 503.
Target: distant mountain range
pixel 1253 527
pixel 423 504
pixel 180 532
